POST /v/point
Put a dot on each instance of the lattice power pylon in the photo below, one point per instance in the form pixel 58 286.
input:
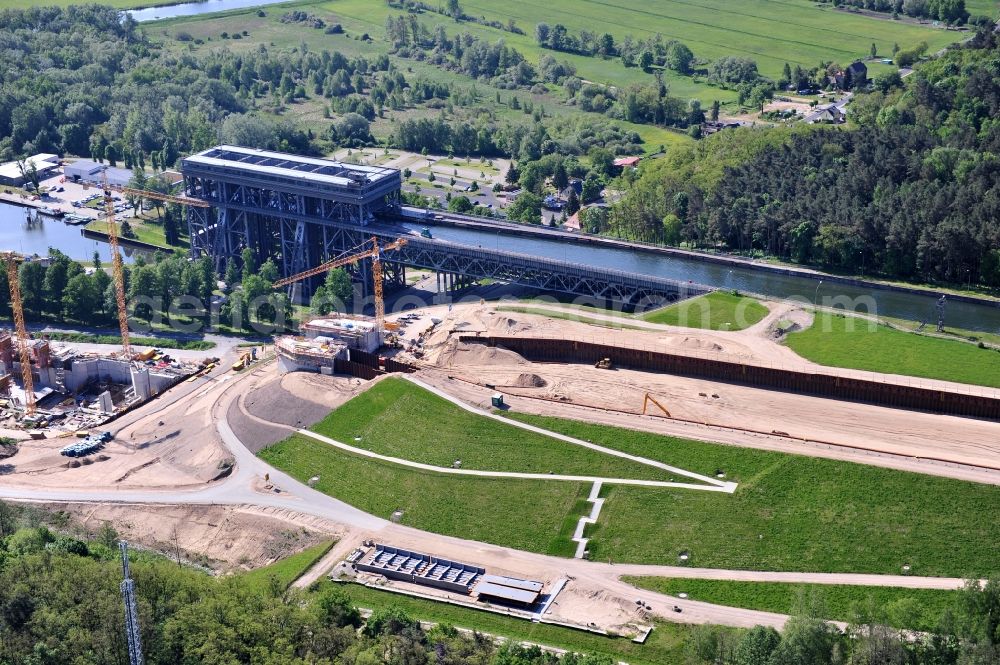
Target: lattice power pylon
pixel 131 611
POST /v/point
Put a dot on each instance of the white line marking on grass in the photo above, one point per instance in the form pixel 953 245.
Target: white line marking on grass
pixel 726 486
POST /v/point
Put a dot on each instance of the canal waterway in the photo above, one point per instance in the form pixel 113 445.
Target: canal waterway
pixel 17 235
pixel 195 8
pixel 886 303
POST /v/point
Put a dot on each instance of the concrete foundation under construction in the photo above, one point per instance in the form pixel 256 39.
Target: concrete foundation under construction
pixel 75 390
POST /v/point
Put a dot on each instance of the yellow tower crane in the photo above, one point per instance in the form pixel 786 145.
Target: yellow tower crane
pixel 376 256
pixel 17 307
pixel 117 265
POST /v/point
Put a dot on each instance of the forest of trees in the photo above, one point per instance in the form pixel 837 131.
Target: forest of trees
pixel 60 605
pixel 913 192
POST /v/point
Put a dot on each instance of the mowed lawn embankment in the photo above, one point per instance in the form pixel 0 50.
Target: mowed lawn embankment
pixel 837 340
pixel 718 310
pixel 790 512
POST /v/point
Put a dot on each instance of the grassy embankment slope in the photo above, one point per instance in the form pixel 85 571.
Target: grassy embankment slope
pixel 839 341
pixel 789 513
pixel 285 571
pixel 916 609
pixel 718 310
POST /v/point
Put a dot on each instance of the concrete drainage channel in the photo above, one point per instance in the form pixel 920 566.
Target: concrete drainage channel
pixel 581 542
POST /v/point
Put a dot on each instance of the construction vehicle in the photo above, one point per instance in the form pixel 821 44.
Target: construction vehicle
pixel 375 253
pixel 117 265
pixel 17 307
pixel 649 398
pixel 604 363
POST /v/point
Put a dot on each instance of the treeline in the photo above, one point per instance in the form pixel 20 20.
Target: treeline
pixel 952 12
pixel 645 53
pixel 65 289
pixel 487 135
pixel 913 193
pixel 60 604
pixel 501 65
pixel 160 289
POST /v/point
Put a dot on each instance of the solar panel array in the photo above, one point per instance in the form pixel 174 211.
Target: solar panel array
pixel 331 168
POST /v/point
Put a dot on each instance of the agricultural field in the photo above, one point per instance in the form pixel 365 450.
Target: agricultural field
pixel 839 341
pixel 915 609
pixel 717 310
pixel 770 32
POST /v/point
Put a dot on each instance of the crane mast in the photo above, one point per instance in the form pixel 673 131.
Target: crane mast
pixel 17 307
pixel 132 636
pixel 117 269
pixel 375 253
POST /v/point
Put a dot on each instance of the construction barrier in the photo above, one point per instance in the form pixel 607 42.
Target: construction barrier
pixel 821 385
pixel 356 369
pixel 363 358
pixel 397 366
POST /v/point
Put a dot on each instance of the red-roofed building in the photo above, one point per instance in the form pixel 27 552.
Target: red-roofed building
pixel 627 162
pixel 573 222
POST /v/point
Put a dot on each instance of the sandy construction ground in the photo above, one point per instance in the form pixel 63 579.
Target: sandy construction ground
pixel 223 538
pixel 701 409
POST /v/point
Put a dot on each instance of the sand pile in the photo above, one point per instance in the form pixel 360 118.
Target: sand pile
pixel 529 380
pixel 459 354
pixel 697 344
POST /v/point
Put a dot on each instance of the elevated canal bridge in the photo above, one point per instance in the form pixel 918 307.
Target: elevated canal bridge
pixel 303 211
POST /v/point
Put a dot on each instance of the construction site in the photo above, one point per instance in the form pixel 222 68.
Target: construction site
pixel 238 461
pixel 63 390
pixel 72 390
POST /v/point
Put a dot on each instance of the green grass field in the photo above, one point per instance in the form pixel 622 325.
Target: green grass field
pixel 768 31
pixel 791 512
pixel 664 644
pixel 398 418
pixel 840 341
pixel 287 570
pixel 526 514
pixel 916 609
pixel 717 310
